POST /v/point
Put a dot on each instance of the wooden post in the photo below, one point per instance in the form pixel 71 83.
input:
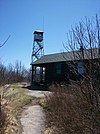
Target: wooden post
pixel 32 74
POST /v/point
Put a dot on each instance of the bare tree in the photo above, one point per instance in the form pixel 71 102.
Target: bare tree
pixel 75 108
pixel 84 41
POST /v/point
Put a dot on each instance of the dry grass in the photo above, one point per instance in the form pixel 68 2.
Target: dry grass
pixel 2 118
pixel 68 111
pixel 13 100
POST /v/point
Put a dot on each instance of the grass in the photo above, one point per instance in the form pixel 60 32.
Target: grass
pixel 13 101
pixel 17 98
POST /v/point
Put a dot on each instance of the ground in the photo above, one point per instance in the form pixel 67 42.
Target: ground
pixel 23 108
pixel 33 117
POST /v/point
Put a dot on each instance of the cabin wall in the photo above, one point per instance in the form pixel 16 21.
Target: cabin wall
pixel 56 72
pixel 64 71
pixel 49 73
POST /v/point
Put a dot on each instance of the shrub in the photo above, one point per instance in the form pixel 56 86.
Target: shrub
pixel 71 112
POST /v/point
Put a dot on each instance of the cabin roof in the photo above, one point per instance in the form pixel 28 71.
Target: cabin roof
pixel 67 56
pixel 38 31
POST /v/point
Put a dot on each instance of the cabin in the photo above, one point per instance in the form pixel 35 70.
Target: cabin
pixel 60 67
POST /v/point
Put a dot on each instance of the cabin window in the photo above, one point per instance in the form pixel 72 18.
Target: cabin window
pixel 58 68
pixel 80 67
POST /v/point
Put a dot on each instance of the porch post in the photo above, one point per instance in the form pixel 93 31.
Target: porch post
pixel 32 74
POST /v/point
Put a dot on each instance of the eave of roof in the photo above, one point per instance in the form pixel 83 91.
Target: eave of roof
pixel 66 56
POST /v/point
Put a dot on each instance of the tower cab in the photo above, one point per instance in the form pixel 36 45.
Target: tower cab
pixel 38 36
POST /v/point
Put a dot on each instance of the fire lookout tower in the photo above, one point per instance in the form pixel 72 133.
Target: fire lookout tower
pixel 38 49
pixel 37 52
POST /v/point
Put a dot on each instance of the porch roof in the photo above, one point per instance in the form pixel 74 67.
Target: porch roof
pixel 67 56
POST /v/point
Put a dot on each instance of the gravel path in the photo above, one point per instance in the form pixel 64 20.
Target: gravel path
pixel 33 118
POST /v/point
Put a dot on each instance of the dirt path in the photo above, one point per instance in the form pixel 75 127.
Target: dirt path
pixel 33 118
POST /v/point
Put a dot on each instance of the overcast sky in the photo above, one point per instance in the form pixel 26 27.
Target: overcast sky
pixel 19 19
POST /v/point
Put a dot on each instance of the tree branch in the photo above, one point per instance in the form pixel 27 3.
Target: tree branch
pixel 1 45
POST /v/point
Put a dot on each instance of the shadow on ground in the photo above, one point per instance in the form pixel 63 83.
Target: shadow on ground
pixel 36 87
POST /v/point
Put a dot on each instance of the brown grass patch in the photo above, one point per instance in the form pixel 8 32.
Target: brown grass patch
pixel 68 111
pixel 13 100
